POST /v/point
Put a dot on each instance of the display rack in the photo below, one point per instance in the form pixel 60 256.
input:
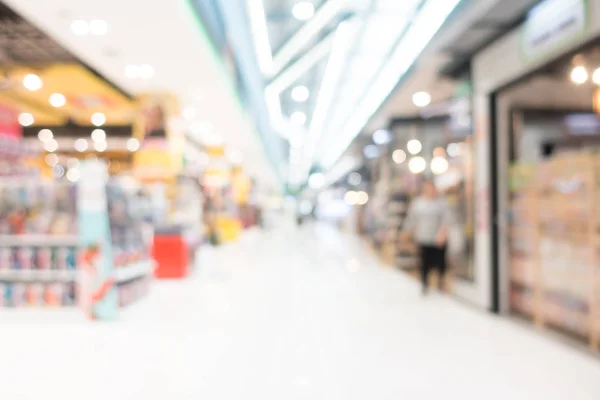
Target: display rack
pixel 40 247
pixel 553 244
pixel 404 253
pixel 38 244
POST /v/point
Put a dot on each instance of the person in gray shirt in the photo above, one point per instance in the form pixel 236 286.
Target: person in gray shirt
pixel 428 221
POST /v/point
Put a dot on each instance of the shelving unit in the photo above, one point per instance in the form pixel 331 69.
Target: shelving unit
pixel 404 253
pixel 40 249
pixel 554 239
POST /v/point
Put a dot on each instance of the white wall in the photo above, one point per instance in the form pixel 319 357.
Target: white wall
pixel 494 67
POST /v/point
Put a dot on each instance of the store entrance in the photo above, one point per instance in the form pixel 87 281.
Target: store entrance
pixel 547 138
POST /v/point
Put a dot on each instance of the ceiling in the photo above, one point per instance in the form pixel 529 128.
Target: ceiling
pixel 85 94
pixel 444 64
pixel 440 69
pixel 166 35
pixel 350 54
pixel 23 43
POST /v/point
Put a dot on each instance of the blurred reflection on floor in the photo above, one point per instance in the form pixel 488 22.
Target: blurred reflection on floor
pixel 291 313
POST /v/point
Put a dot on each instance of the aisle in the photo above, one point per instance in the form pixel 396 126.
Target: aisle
pixel 287 315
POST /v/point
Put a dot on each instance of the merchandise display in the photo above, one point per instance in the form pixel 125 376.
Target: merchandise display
pixel 132 259
pixel 553 238
pixel 456 184
pixel 39 246
pixel 404 253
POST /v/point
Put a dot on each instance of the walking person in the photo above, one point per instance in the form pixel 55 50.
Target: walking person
pixel 428 222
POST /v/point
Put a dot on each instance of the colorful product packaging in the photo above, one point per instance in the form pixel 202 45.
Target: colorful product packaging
pixel 62 258
pixel 5 258
pixel 25 258
pixel 2 294
pixel 18 295
pixel 44 258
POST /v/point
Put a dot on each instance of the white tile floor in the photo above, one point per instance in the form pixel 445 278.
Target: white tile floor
pixel 288 315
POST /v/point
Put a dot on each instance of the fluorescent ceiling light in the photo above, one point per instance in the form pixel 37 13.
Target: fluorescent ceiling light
pixel 341 169
pixel 98 119
pixel 32 82
pixel 98 135
pixel 329 84
pixel 80 27
pixel 382 136
pixel 298 118
pixel 316 180
pixel 26 119
pixel 421 99
pixel 132 71
pixel 414 146
pixel 425 25
pixel 305 63
pixel 308 31
pixel 416 165
pixel 57 100
pixel 274 107
pixel 300 94
pixel 399 156
pixel 146 71
pixel 260 35
pixel 98 27
pixel 303 10
pixel 45 135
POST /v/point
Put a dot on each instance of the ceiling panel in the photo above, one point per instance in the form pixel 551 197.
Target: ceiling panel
pixel 472 39
pixel 506 10
pixel 23 43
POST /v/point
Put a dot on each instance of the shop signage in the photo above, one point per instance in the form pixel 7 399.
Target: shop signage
pixel 553 24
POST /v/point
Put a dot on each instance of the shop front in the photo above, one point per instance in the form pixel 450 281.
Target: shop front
pixel 537 141
pixel 435 147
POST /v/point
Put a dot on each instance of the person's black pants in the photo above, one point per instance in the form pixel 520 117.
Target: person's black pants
pixel 432 257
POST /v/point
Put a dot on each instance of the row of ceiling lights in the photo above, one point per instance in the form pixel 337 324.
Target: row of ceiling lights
pixel 380 137
pixel 580 75
pixel 359 198
pixel 303 10
pixel 99 27
pixel 33 83
pixel 98 136
pixel 27 119
pixel 300 94
pixel 417 164
pixel 95 27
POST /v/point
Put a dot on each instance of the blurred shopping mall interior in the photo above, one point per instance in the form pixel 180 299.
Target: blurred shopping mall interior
pixel 300 199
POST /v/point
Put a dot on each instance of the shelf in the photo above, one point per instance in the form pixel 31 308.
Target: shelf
pixel 134 271
pixel 38 240
pixel 41 276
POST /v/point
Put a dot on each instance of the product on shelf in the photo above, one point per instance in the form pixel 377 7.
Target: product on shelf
pixel 553 234
pixel 39 244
